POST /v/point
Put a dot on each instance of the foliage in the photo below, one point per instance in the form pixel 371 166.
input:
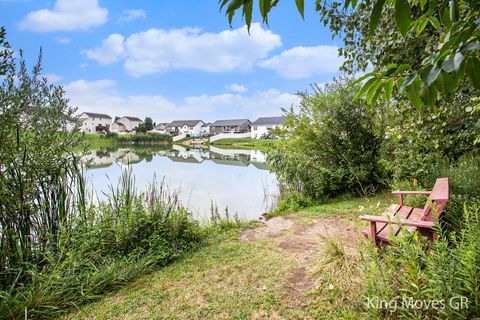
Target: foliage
pixel 450 269
pixel 144 138
pixel 422 141
pixel 332 145
pixel 35 161
pixel 146 125
pixel 100 248
pixel 450 28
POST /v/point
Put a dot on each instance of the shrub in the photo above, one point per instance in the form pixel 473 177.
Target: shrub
pixel 111 135
pixel 332 146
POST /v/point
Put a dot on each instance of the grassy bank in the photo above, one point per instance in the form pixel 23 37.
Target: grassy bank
pixel 288 274
pixel 95 140
pixel 244 143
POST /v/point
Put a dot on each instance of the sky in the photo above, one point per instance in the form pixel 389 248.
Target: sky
pixel 173 60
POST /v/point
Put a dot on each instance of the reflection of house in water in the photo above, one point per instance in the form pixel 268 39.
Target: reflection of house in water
pixel 125 156
pixel 230 156
pixel 190 155
pixel 98 159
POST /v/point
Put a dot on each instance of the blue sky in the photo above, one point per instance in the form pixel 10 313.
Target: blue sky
pixel 172 59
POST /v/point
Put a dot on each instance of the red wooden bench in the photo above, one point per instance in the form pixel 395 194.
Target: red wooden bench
pixel 413 219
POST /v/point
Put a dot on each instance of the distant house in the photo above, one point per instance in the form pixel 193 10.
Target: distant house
pixel 230 126
pixel 205 129
pixel 262 126
pixel 126 124
pixel 90 122
pixel 189 127
pixel 161 127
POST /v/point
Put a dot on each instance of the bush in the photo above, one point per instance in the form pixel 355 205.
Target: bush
pixel 332 146
pixel 111 135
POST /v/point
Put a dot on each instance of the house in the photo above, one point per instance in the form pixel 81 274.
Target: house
pixel 205 129
pixel 161 127
pixel 90 122
pixel 262 126
pixel 126 124
pixel 230 126
pixel 188 127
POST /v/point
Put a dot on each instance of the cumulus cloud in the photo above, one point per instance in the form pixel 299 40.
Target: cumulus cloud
pixel 158 50
pixel 129 15
pixel 304 62
pixel 111 50
pixel 101 96
pixel 67 15
pixel 236 88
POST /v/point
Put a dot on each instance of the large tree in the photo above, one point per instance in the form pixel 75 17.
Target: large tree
pixel 425 48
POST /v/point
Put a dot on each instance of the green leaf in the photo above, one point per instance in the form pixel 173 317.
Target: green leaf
pixel 389 88
pixel 232 7
pixel 365 87
pixel 430 74
pixel 448 65
pixel 364 77
pixel 354 4
pixel 434 22
pixel 408 82
pixel 374 91
pixel 421 25
pixel 446 82
pixel 413 94
pixel 457 60
pixel 265 6
pixel 376 14
pixel 402 16
pixel 429 95
pixel 472 68
pixel 454 10
pixel 247 13
pixel 300 7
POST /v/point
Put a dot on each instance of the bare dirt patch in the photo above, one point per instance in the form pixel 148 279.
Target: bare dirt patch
pixel 270 228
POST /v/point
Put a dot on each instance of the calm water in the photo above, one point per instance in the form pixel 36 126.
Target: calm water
pixel 235 179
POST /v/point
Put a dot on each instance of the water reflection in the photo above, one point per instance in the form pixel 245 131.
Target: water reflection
pixel 235 179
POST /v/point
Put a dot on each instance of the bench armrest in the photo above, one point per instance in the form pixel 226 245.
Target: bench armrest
pixel 405 222
pixel 411 192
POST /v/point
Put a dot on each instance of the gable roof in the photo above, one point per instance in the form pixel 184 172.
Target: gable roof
pixel 269 120
pixel 132 118
pixel 232 122
pixel 96 115
pixel 208 124
pixel 181 123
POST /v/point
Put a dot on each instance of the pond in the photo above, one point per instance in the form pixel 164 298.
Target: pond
pixel 235 180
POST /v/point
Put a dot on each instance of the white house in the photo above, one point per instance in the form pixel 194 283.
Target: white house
pixel 90 122
pixel 262 126
pixel 189 127
pixel 126 124
pixel 205 129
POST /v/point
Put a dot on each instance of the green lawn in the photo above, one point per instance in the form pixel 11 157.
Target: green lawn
pixel 96 140
pixel 292 275
pixel 244 143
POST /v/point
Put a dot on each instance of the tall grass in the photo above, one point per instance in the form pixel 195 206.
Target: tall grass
pixel 79 250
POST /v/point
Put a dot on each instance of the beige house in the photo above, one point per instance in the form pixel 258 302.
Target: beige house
pixel 90 122
pixel 126 124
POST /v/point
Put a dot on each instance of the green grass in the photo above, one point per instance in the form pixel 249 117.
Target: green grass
pixel 95 141
pixel 245 143
pixel 229 279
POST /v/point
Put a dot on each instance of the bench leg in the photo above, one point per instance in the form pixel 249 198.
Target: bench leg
pixel 373 232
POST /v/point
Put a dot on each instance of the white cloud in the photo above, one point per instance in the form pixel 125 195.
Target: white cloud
pixel 101 96
pixel 52 78
pixel 111 50
pixel 129 15
pixel 304 62
pixel 158 50
pixel 63 40
pixel 236 88
pixel 67 15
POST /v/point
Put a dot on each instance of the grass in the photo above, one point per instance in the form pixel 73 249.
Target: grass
pixel 244 143
pixel 96 140
pixel 230 279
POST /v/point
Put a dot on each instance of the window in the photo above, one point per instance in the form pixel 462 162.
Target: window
pixel 255 128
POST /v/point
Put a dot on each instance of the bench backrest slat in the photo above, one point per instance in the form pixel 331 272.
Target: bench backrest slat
pixel 438 197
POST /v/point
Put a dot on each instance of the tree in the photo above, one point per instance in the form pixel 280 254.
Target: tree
pixel 451 27
pixel 148 124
